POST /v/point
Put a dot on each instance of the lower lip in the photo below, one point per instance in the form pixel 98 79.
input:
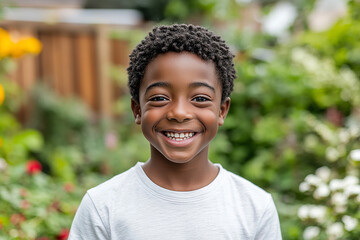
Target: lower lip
pixel 181 143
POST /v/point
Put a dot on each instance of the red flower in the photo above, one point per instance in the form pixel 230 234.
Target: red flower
pixel 23 192
pixel 334 116
pixel 63 235
pixel 24 204
pixel 111 140
pixel 17 218
pixel 69 187
pixel 55 205
pixel 33 167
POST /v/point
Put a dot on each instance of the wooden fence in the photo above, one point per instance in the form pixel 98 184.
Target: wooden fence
pixel 75 61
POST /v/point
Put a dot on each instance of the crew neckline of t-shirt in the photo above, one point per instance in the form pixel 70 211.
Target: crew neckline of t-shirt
pixel 179 196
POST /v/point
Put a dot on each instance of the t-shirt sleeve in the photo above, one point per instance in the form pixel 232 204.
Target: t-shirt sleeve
pixel 87 223
pixel 269 225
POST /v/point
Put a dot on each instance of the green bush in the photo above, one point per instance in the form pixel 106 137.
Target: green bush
pixel 293 129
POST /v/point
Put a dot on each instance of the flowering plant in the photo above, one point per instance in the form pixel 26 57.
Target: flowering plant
pixel 31 205
pixel 332 210
pixel 12 47
pixel 335 190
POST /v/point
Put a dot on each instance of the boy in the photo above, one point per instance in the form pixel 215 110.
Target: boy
pixel 180 80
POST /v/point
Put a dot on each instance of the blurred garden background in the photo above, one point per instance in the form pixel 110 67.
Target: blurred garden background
pixel 293 126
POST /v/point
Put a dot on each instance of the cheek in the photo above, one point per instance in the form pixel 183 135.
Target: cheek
pixel 149 120
pixel 210 119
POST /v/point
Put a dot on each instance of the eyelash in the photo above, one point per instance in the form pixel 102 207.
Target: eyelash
pixel 195 99
pixel 203 99
pixel 158 99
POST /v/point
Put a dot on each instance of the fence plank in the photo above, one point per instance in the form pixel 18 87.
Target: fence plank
pixel 29 70
pixel 66 65
pixel 103 68
pixel 55 62
pixel 46 71
pixel 85 75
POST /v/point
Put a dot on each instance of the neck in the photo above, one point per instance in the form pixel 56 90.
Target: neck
pixel 191 175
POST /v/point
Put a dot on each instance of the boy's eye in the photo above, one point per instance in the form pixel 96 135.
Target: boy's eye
pixel 201 99
pixel 158 99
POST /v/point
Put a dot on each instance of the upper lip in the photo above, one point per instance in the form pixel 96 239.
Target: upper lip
pixel 178 130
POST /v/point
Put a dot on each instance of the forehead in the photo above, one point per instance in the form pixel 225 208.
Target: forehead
pixel 181 67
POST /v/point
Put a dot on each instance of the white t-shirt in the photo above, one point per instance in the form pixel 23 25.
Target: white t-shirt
pixel 132 207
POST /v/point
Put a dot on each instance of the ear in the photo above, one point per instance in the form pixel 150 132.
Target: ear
pixel 135 107
pixel 224 109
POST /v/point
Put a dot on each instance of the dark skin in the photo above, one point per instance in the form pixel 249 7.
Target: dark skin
pixel 179 111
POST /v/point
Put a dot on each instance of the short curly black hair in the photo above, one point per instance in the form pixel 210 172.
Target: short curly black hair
pixel 180 38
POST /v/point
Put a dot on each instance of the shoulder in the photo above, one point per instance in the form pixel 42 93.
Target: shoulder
pixel 245 187
pixel 255 204
pixel 114 187
pixel 251 196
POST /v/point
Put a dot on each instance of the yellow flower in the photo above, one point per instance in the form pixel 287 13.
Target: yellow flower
pixel 26 45
pixel 32 45
pixel 2 94
pixel 6 45
pixel 17 49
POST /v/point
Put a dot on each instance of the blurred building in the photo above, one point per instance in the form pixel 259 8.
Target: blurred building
pixel 44 3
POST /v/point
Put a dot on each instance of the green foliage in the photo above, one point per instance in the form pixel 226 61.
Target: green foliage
pixel 294 110
pixel 341 45
pixel 31 204
pixel 151 9
pixel 177 10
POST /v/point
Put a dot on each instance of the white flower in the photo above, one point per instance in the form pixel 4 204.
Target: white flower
pixel 317 213
pixel 332 154
pixel 354 131
pixel 3 164
pixel 303 212
pixel 311 232
pixel 344 136
pixel 304 187
pixel 349 222
pixel 323 173
pixel 336 184
pixel 322 191
pixel 313 180
pixel 352 190
pixel 355 155
pixel 335 230
pixel 338 209
pixel 339 199
pixel 350 181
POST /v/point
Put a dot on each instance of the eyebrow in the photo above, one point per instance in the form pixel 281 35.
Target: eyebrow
pixel 202 84
pixel 168 85
pixel 157 84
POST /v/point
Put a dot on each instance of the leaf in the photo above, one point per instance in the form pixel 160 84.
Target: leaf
pixel 31 139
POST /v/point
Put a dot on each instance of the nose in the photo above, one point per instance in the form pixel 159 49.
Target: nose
pixel 179 111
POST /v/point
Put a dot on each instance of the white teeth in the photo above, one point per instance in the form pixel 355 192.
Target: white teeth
pixel 179 136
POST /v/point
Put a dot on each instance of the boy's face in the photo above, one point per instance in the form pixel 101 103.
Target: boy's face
pixel 180 106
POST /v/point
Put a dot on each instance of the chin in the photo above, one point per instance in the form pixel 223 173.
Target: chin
pixel 178 160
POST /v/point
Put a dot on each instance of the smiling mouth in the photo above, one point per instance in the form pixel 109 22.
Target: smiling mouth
pixel 179 136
